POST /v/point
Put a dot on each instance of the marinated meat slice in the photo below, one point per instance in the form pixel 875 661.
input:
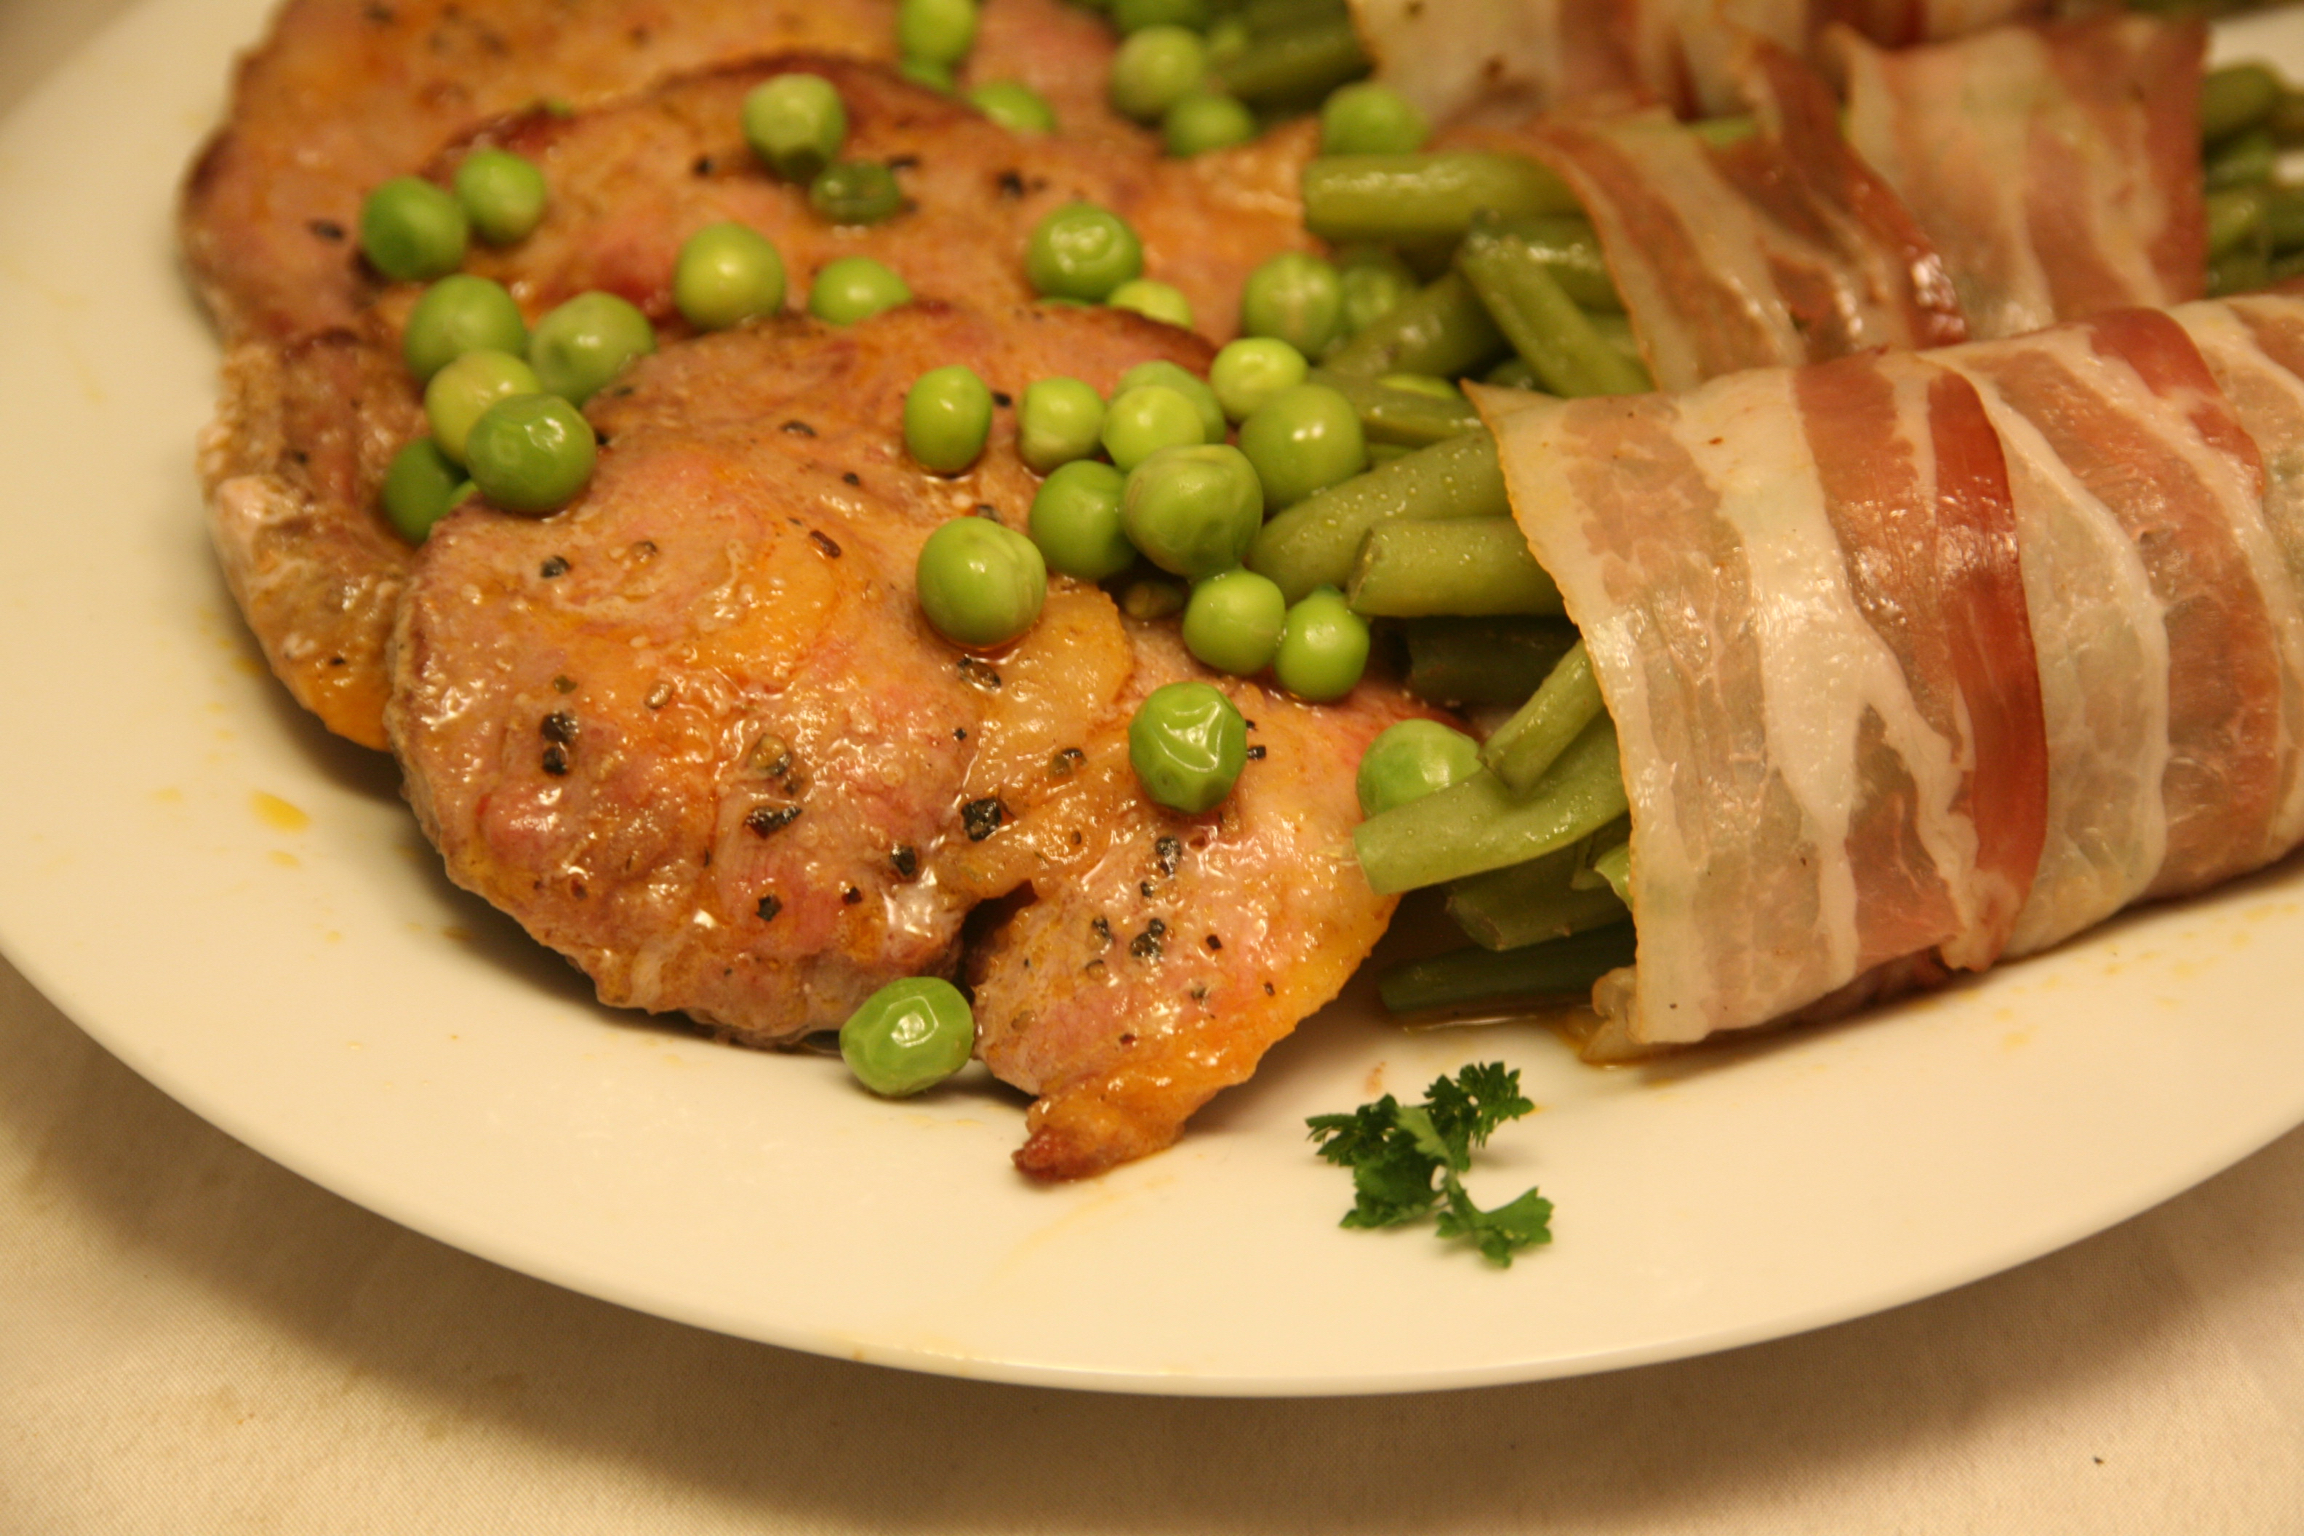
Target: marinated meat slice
pixel 693 733
pixel 315 570
pixel 633 180
pixel 1159 962
pixel 345 93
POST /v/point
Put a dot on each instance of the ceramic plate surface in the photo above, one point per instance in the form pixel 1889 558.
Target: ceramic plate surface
pixel 242 909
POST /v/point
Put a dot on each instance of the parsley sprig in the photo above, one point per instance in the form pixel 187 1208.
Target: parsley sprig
pixel 1394 1151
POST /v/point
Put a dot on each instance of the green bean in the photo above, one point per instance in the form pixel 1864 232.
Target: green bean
pixel 1406 416
pixel 2241 271
pixel 1562 968
pixel 1545 325
pixel 1524 746
pixel 1442 331
pixel 1483 661
pixel 1391 199
pixel 1723 132
pixel 1480 824
pixel 2284 217
pixel 1615 867
pixel 1529 903
pixel 2235 97
pixel 1314 543
pixel 1265 17
pixel 1301 64
pixel 2248 158
pixel 2287 118
pixel 2236 217
pixel 1514 373
pixel 1467 565
pixel 1616 330
pixel 1570 247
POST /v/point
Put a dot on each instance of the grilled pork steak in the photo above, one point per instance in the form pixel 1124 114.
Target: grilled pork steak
pixel 311 416
pixel 694 734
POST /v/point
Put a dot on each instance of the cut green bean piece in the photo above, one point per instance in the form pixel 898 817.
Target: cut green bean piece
pixel 1395 199
pixel 1544 325
pixel 1723 132
pixel 1315 542
pixel 2235 97
pixel 1569 246
pixel 1529 903
pixel 1412 417
pixel 1265 17
pixel 1556 714
pixel 1299 65
pixel 2246 159
pixel 1561 969
pixel 1442 331
pixel 1614 865
pixel 1480 824
pixel 2236 217
pixel 1483 661
pixel 2241 271
pixel 1471 565
pixel 2283 217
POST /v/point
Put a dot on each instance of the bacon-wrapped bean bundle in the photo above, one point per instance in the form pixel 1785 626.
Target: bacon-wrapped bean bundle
pixel 1917 662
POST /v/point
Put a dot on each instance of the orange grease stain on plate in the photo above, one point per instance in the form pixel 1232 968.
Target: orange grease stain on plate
pixel 278 813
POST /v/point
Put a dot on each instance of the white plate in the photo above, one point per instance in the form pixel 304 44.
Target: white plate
pixel 241 909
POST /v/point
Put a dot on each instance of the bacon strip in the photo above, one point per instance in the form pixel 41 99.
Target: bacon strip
pixel 1462 55
pixel 1918 661
pixel 1807 582
pixel 1784 248
pixel 2056 166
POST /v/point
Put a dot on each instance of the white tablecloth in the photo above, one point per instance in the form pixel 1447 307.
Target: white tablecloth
pixel 193 1339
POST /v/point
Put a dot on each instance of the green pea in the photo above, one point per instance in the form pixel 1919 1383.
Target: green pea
pixel 947 417
pixel 727 274
pixel 1193 511
pixel 981 585
pixel 1184 383
pixel 1296 297
pixel 856 192
pixel 1156 301
pixel 467 387
pixel 1304 439
pixel 1058 421
pixel 1229 38
pixel 929 74
pixel 412 232
pixel 582 345
pixel 854 288
pixel 531 453
pixel 1136 15
pixel 1076 521
pixel 1372 282
pixel 1082 252
pixel 1199 121
pixel 459 314
pixel 795 123
pixel 1154 69
pixel 1252 370
pixel 1371 119
pixel 1323 647
pixel 1411 760
pixel 1233 622
pixel 941 31
pixel 503 194
pixel 420 487
pixel 1014 105
pixel 1188 743
pixel 908 1036
pixel 1140 422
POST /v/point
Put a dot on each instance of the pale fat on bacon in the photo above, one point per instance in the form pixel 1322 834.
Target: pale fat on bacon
pixel 1917 662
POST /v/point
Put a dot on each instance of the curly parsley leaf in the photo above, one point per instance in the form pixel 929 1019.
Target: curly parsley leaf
pixel 1395 1151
